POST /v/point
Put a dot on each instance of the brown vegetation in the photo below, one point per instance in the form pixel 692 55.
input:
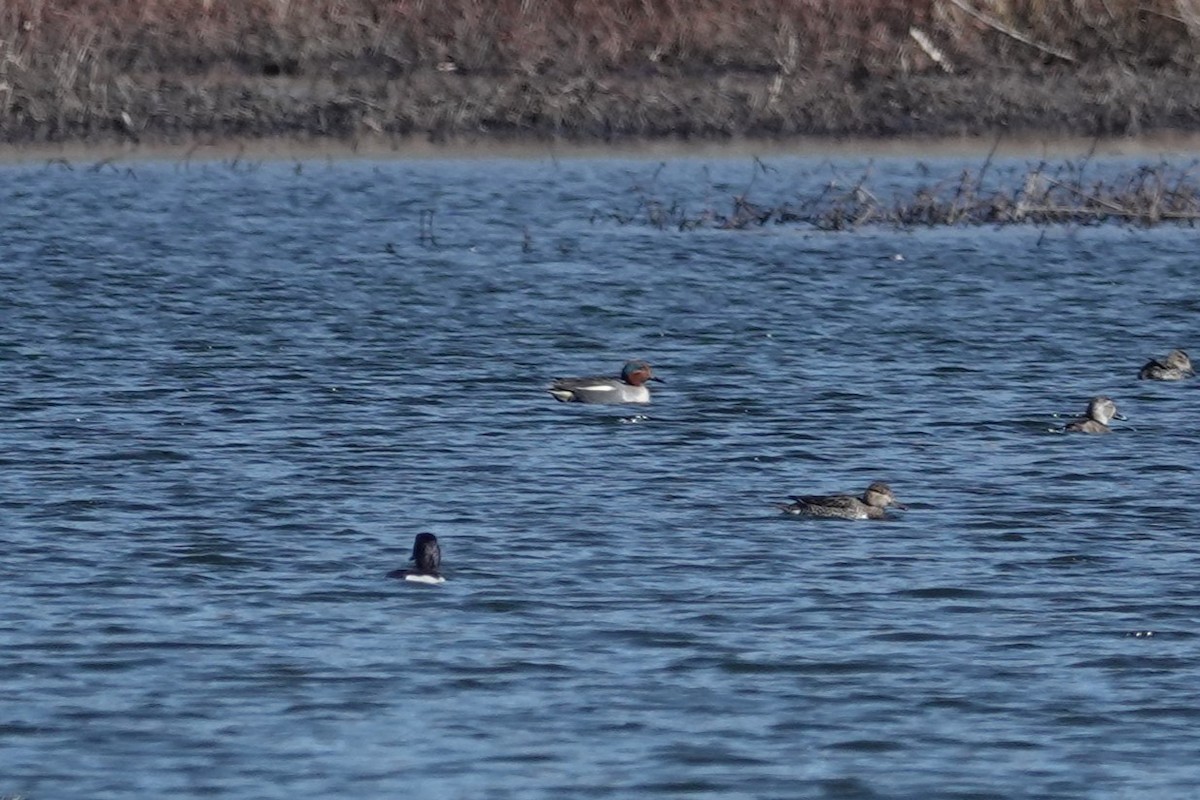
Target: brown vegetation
pixel 1044 195
pixel 168 69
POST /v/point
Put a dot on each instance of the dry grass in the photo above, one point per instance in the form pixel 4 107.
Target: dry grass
pixel 78 68
pixel 83 39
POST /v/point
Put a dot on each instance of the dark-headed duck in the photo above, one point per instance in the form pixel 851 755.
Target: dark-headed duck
pixel 427 561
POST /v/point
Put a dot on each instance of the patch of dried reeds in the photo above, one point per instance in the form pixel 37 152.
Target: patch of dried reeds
pixel 73 68
pixel 789 37
pixel 1044 195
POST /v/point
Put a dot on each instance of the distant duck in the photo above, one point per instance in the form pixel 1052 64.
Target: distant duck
pixel 427 558
pixel 1100 411
pixel 628 388
pixel 871 505
pixel 1176 366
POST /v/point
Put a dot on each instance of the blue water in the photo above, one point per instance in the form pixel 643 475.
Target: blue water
pixel 232 393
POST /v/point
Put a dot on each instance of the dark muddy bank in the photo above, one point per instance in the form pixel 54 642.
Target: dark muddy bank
pixel 613 108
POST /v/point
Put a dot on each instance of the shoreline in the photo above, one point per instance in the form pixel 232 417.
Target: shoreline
pixel 1158 145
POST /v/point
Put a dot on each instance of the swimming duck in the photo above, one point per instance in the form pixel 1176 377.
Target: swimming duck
pixel 628 388
pixel 871 505
pixel 1176 366
pixel 427 556
pixel 1099 412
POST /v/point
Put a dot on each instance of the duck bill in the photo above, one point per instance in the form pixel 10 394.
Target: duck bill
pixel 900 506
pixel 656 379
pixel 1121 417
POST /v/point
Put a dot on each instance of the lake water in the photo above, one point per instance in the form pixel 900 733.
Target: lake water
pixel 234 392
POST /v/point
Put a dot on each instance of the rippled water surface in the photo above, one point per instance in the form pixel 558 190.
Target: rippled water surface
pixel 232 394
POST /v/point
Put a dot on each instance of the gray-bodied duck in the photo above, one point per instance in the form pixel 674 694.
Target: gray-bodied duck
pixel 871 505
pixel 1175 367
pixel 1100 411
pixel 629 387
